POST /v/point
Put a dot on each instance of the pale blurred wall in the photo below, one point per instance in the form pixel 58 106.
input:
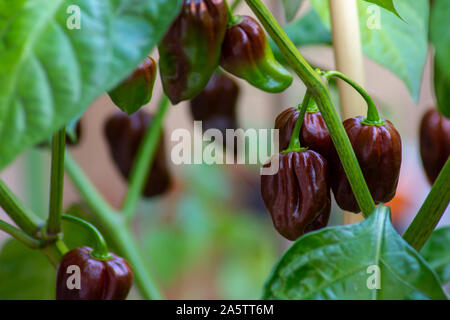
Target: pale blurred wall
pixel 256 109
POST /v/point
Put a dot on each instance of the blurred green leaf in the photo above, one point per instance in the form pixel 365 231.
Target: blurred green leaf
pixel 333 263
pixel 307 30
pixel 398 46
pixel 50 72
pixel 437 252
pixel 440 37
pixel 291 8
pixel 25 274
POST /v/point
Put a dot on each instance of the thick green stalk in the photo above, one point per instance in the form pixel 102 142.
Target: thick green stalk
pixel 373 118
pixel 56 182
pixel 294 143
pixel 115 225
pixel 144 160
pixel 20 235
pixel 320 93
pixel 431 211
pixel 55 251
pixel 24 218
pixel 100 250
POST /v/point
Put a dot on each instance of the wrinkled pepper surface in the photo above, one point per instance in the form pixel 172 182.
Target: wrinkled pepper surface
pixel 378 149
pixel 434 143
pixel 124 135
pixel 109 279
pixel 298 195
pixel 137 89
pixel 313 134
pixel 190 51
pixel 246 54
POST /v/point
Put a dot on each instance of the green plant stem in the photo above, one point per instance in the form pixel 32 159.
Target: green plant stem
pixel 114 224
pixel 56 182
pixel 373 118
pixel 431 211
pixel 319 92
pixel 20 235
pixel 100 251
pixel 144 160
pixel 24 218
pixel 55 251
pixel 294 143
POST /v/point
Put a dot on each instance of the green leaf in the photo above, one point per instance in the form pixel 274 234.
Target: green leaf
pixel 25 274
pixel 437 252
pixel 49 74
pixel 398 46
pixel 440 37
pixel 387 4
pixel 291 8
pixel 307 30
pixel 333 263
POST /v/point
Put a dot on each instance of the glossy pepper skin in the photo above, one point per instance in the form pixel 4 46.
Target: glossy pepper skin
pixel 216 105
pixel 379 153
pixel 99 280
pixel 298 195
pixel 246 54
pixel 124 135
pixel 137 89
pixel 190 51
pixel 313 134
pixel 434 143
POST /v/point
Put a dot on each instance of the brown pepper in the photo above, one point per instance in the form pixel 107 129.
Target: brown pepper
pixel 313 134
pixel 434 143
pixel 124 135
pixel 298 195
pixel 378 149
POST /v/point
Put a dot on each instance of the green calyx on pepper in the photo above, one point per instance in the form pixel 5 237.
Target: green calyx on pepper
pixel 136 90
pixel 246 54
pixel 190 51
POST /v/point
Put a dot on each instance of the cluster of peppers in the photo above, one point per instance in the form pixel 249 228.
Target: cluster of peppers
pixel 206 35
pixel 298 195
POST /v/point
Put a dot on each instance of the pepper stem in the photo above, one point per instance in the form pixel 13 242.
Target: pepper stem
pixel 294 143
pixel 232 18
pixel 373 118
pixel 100 250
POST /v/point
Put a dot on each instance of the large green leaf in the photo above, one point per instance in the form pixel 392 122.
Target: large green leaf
pixel 440 37
pixel 336 262
pixel 387 4
pixel 25 273
pixel 437 252
pixel 291 8
pixel 400 46
pixel 49 74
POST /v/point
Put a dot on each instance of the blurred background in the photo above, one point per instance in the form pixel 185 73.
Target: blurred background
pixel 210 237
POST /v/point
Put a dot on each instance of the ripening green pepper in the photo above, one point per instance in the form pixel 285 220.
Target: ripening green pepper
pixel 136 90
pixel 246 54
pixel 190 51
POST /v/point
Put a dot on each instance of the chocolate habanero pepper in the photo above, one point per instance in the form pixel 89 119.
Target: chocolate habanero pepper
pixel 124 135
pixel 215 106
pixel 298 195
pixel 246 54
pixel 313 133
pixel 378 149
pixel 434 143
pixel 190 51
pixel 137 89
pixel 99 279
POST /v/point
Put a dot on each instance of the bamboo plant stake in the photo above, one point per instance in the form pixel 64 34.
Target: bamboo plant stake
pixel 349 60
